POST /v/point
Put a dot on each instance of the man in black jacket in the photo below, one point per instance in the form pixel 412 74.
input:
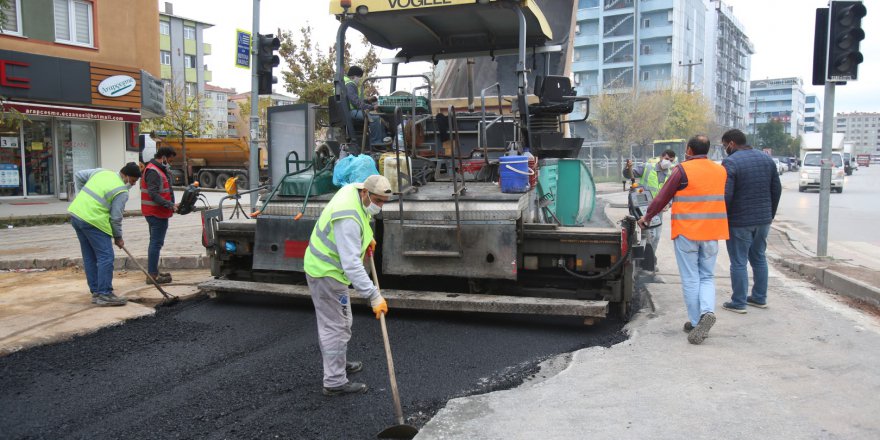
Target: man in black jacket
pixel 752 195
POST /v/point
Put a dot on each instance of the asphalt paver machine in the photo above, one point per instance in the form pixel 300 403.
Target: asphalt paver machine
pixel 450 239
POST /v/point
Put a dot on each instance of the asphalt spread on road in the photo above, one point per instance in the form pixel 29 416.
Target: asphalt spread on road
pixel 251 368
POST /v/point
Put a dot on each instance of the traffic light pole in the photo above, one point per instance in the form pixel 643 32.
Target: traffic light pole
pixel 254 168
pixel 825 174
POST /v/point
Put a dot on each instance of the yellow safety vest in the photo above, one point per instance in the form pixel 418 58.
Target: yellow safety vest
pixel 650 179
pixel 360 91
pixel 322 257
pixel 92 204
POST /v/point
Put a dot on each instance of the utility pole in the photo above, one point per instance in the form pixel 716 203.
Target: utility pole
pixel 254 168
pixel 690 66
pixel 825 172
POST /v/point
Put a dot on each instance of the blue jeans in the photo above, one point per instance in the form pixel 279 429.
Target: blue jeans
pixel 158 228
pixel 747 244
pixel 97 254
pixel 696 265
pixel 377 130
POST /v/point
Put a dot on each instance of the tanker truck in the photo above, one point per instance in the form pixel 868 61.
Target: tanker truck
pixel 213 161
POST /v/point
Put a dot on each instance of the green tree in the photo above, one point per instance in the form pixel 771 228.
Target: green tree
pixel 310 70
pixel 688 114
pixel 183 117
pixel 772 135
pixel 626 119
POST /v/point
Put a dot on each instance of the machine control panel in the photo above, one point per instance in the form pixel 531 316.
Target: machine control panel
pixel 638 206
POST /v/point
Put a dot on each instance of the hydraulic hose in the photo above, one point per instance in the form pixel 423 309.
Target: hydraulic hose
pixel 613 268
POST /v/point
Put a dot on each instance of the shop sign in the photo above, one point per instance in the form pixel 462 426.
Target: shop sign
pixel 9 142
pixel 60 111
pixel 152 95
pixel 117 85
pixel 9 175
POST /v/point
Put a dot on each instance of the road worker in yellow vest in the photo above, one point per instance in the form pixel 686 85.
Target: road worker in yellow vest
pixel 652 175
pixel 699 220
pixel 96 216
pixel 334 260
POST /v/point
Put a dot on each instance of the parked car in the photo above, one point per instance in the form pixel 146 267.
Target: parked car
pixel 780 168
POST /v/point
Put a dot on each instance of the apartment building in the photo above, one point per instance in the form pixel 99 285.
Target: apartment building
pixel 182 51
pixel 731 59
pixel 82 73
pixel 812 114
pixel 860 129
pixel 777 99
pixel 218 110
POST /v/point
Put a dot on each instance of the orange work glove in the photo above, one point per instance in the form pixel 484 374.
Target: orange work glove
pixel 371 248
pixel 379 305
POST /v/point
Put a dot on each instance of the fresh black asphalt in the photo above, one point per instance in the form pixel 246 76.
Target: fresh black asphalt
pixel 251 368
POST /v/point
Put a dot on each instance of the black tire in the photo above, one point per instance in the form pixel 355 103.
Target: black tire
pixel 207 179
pixel 241 181
pixel 802 188
pixel 221 180
pixel 840 190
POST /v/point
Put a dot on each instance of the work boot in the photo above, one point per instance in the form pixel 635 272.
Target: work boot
pixel 160 278
pixel 109 300
pixel 701 331
pixel 353 367
pixel 349 388
pixel 688 327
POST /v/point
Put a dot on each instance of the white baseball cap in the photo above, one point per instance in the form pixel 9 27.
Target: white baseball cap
pixel 376 184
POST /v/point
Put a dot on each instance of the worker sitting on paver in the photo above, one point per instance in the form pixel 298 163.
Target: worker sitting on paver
pixel 358 105
pixel 157 206
pixel 335 259
pixel 96 215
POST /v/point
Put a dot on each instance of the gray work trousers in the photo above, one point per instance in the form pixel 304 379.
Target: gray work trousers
pixel 654 236
pixel 333 312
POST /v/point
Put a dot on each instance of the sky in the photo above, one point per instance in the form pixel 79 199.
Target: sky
pixel 780 30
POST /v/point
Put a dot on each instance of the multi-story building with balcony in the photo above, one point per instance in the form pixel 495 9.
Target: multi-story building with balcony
pixel 217 111
pixel 182 51
pixel 77 77
pixel 860 129
pixel 777 99
pixel 729 93
pixel 643 44
pixel 812 114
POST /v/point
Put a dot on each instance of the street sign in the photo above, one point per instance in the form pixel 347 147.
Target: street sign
pixel 243 49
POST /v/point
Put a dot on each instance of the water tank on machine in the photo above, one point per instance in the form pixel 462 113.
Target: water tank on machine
pixel 568 187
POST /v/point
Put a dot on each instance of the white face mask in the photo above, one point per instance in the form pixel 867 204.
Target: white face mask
pixel 665 164
pixel 374 209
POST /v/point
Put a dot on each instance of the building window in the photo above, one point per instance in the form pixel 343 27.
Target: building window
pixel 12 25
pixel 165 57
pixel 189 33
pixel 189 61
pixel 646 75
pixel 164 28
pixel 73 22
pixel 191 89
pixel 646 23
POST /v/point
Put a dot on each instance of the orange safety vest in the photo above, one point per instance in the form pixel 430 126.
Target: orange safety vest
pixel 698 211
pixel 148 206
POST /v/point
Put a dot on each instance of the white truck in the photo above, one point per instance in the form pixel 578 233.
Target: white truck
pixel 849 159
pixel 811 162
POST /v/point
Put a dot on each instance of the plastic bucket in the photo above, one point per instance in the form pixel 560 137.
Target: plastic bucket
pixel 515 173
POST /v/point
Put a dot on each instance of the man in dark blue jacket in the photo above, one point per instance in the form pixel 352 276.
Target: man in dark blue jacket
pixel 752 196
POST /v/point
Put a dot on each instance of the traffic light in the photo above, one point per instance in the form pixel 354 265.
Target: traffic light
pixel 266 61
pixel 844 34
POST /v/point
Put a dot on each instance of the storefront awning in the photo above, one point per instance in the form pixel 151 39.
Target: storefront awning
pixel 64 111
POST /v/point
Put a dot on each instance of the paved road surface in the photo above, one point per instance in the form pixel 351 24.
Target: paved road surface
pixel 209 369
pixel 852 226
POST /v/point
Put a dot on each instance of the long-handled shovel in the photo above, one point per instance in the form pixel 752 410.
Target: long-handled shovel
pixel 169 298
pixel 400 430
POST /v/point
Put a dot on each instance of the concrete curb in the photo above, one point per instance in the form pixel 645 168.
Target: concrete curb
pixel 828 277
pixel 198 261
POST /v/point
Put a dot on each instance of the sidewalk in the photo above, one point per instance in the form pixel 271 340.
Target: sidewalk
pixel 806 367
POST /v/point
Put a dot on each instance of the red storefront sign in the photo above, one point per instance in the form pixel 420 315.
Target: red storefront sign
pixel 63 111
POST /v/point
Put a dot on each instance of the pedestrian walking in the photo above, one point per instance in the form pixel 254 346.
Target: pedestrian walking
pixel 699 220
pixel 333 260
pixel 752 195
pixel 96 216
pixel 652 175
pixel 157 206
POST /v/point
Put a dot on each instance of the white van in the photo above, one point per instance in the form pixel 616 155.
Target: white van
pixel 811 166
